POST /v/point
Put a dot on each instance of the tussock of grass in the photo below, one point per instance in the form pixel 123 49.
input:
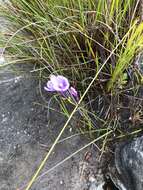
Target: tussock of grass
pixel 73 37
pixel 93 43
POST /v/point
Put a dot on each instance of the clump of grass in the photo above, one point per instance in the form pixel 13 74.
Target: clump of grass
pixel 74 38
pixel 93 43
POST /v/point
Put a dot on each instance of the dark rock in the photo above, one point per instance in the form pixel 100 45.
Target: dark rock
pixel 127 170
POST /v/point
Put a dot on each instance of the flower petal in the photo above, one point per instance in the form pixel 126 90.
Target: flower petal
pixel 73 91
pixel 48 89
pixel 62 84
pixel 53 79
pixel 50 86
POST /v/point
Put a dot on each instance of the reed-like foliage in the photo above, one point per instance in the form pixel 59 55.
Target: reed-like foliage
pixel 74 37
pixel 92 42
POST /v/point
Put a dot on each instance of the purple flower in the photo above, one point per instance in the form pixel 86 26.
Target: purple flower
pixel 73 91
pixel 57 83
pixel 61 84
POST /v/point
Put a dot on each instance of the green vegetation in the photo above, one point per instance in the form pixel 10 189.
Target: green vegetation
pixel 94 43
pixel 75 37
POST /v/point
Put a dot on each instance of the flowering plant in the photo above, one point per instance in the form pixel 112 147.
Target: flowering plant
pixel 61 84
